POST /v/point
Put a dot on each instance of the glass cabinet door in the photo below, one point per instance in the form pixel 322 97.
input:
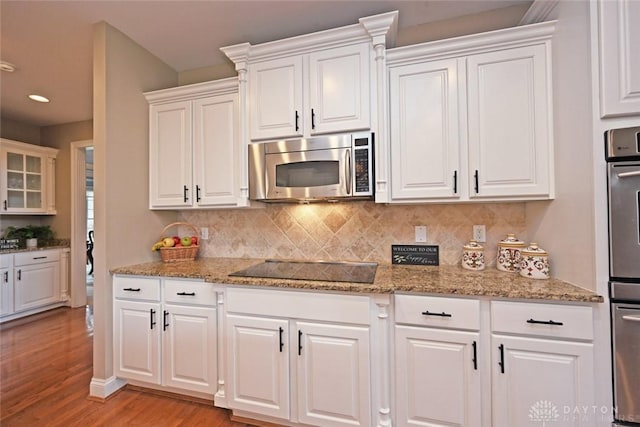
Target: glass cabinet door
pixel 24 181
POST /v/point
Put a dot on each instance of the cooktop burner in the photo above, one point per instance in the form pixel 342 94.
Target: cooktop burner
pixel 328 271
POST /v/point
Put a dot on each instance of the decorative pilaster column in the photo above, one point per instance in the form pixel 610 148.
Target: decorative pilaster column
pixel 382 371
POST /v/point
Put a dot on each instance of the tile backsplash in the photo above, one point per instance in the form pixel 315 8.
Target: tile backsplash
pixel 354 231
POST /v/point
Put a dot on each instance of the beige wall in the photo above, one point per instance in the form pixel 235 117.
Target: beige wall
pixel 357 231
pixel 124 225
pixel 18 131
pixel 566 226
pixel 60 137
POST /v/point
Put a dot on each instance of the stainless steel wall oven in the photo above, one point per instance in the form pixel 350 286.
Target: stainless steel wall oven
pixel 623 172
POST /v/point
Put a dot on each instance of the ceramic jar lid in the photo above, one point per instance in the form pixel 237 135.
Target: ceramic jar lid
pixel 534 250
pixel 472 246
pixel 511 241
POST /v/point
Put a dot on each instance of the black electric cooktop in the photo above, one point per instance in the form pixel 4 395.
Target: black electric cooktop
pixel 328 271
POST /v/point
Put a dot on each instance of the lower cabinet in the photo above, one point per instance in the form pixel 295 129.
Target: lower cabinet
pixel 533 360
pixel 165 333
pixel 298 368
pixel 6 284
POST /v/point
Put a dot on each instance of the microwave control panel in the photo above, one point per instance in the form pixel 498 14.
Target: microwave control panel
pixel 363 167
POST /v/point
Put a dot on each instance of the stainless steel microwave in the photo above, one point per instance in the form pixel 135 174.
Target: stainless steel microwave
pixel 333 167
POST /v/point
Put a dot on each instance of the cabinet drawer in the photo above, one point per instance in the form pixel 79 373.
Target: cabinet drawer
pixel 459 313
pixel 189 292
pixel 5 261
pixel 36 257
pixel 562 321
pixel 136 288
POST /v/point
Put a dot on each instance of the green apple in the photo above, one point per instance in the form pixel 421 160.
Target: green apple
pixel 186 241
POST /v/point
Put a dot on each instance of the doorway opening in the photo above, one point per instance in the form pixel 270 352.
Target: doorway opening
pixel 82 219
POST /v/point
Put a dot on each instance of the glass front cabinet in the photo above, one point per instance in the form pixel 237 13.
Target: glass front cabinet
pixel 27 183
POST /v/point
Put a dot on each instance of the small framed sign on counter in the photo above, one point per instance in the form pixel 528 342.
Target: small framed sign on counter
pixel 415 254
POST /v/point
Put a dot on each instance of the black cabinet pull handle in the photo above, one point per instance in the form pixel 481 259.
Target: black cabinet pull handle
pixel 165 323
pixel 186 294
pixel 184 193
pixel 501 362
pixel 197 193
pixel 19 274
pixel 429 313
pixel 299 343
pixel 132 289
pixel 476 185
pixel 39 257
pixel 6 277
pixel 297 121
pixel 281 342
pixel 152 313
pixel 544 322
pixel 455 182
pixel 475 355
pixel 313 119
pixel 5 205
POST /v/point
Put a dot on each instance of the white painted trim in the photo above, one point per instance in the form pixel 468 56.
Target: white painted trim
pixel 189 92
pixel 77 269
pixel 104 388
pixel 539 11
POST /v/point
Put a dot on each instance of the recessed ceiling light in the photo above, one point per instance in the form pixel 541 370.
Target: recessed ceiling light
pixel 38 98
pixel 6 66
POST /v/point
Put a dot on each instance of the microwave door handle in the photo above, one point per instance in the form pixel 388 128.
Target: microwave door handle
pixel 347 161
pixel 628 174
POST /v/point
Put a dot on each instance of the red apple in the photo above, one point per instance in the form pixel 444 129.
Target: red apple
pixel 194 240
pixel 176 239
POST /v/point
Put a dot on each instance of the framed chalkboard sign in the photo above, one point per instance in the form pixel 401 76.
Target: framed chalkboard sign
pixel 415 254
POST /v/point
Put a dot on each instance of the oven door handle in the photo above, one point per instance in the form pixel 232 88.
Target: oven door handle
pixel 628 174
pixel 632 318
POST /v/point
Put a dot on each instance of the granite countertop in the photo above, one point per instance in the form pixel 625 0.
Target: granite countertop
pixel 446 279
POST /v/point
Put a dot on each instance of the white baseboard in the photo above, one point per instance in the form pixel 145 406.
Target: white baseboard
pixel 104 388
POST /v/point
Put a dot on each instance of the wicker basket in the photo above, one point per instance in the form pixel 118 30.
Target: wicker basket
pixel 181 253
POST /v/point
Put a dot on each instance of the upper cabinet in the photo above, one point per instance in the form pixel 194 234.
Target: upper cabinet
pixel 470 118
pixel 27 181
pixel 318 83
pixel 196 157
pixel 619 58
pixel 337 83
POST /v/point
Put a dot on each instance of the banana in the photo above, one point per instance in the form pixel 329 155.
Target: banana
pixel 157 246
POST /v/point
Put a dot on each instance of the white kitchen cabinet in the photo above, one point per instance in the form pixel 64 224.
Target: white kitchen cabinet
pixel 165 333
pixel 619 38
pixel 300 357
pixel 27 181
pixel 258 365
pixel 337 84
pixel 6 284
pixel 196 158
pixel 424 123
pixel 470 118
pixel 437 376
pixel 36 279
pixel 545 372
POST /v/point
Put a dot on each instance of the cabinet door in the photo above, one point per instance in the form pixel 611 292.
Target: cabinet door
pixel 217 150
pixel 275 89
pixel 437 377
pixel 170 155
pixel 36 285
pixel 258 365
pixel 537 380
pixel 333 375
pixel 509 123
pixel 424 125
pixel 189 352
pixel 23 182
pixel 339 89
pixel 6 284
pixel 619 59
pixel 136 336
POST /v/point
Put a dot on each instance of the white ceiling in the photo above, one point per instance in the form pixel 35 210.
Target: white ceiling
pixel 50 42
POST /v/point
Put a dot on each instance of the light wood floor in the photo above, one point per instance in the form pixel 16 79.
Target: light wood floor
pixel 46 367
